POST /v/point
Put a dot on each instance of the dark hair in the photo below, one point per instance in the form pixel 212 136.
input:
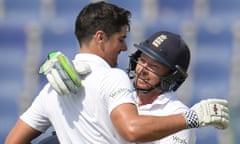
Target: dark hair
pixel 100 16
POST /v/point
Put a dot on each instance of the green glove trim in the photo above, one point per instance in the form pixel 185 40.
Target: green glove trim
pixel 52 54
pixel 46 65
pixel 70 71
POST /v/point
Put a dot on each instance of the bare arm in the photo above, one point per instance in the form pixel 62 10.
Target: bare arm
pixel 21 133
pixel 144 128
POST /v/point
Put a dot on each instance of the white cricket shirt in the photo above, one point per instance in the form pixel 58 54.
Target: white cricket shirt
pixel 84 118
pixel 167 104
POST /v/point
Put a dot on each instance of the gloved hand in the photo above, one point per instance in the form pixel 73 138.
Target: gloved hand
pixel 61 73
pixel 213 112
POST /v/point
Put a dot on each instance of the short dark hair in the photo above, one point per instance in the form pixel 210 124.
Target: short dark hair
pixel 100 16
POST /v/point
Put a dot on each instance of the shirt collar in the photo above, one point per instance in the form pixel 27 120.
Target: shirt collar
pixel 164 98
pixel 88 57
pixel 160 100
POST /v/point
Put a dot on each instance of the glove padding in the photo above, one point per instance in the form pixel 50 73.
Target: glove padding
pixel 61 73
pixel 212 112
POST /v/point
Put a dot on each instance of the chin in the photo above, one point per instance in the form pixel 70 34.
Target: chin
pixel 140 86
pixel 114 65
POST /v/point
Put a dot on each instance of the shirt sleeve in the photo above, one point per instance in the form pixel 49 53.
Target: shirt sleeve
pixel 186 136
pixel 117 89
pixel 35 115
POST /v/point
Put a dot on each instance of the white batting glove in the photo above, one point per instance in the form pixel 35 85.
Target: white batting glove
pixel 213 112
pixel 62 74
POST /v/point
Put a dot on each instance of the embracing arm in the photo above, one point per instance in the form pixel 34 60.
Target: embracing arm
pixel 135 128
pixel 21 133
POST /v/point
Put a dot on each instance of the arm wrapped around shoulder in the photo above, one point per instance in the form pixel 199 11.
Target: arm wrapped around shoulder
pixel 213 112
pixel 62 74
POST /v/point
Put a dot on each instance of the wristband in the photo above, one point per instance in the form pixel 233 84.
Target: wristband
pixel 191 119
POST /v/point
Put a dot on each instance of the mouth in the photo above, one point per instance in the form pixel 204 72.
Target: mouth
pixel 140 79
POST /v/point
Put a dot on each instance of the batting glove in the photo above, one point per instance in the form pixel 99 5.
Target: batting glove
pixel 213 112
pixel 61 73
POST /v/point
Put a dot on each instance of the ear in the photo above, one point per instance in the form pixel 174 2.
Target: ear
pixel 100 36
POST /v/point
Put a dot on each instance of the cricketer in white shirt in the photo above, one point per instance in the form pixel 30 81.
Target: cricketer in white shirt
pixel 84 118
pixel 167 104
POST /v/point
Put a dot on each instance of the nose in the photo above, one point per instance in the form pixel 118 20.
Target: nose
pixel 142 68
pixel 124 47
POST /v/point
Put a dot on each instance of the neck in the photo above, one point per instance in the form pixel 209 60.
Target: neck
pixel 147 98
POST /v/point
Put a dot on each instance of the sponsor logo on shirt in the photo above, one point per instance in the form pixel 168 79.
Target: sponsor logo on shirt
pixel 120 91
pixel 179 140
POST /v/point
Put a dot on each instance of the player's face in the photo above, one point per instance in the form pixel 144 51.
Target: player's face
pixel 114 45
pixel 149 72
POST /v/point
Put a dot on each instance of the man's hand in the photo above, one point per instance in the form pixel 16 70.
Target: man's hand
pixel 61 73
pixel 212 112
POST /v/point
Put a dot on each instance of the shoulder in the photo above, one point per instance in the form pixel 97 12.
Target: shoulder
pixel 176 105
pixel 179 106
pixel 117 71
pixel 115 74
pixel 46 91
pixel 46 95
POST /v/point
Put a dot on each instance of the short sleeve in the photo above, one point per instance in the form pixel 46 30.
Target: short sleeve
pixel 117 89
pixel 35 115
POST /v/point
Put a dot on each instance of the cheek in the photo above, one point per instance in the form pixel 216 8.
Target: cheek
pixel 154 79
pixel 114 50
pixel 111 51
pixel 138 68
pixel 112 56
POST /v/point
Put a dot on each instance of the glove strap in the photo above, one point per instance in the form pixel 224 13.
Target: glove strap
pixel 191 119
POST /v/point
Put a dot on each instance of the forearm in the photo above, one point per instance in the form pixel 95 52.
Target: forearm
pixel 139 128
pixel 153 128
pixel 21 133
pixel 148 128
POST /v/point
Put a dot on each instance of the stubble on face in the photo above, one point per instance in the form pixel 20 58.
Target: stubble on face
pixel 115 45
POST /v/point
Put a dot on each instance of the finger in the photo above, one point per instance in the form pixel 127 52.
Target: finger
pixel 218 101
pixel 225 115
pixel 225 124
pixel 53 83
pixel 59 81
pixel 65 78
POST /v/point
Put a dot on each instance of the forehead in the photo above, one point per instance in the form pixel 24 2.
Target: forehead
pixel 152 61
pixel 148 58
pixel 122 33
pixel 158 67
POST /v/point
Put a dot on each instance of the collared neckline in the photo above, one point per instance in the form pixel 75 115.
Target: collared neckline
pixel 88 57
pixel 160 100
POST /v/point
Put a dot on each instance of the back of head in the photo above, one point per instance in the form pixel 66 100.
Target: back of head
pixel 170 50
pixel 100 16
